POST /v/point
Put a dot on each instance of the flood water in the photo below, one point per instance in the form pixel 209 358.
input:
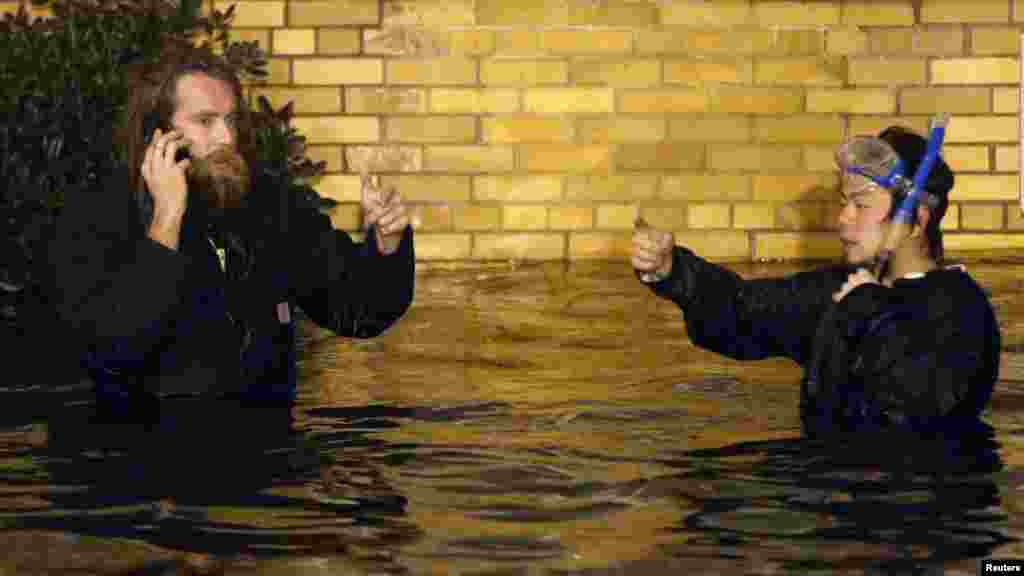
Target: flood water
pixel 530 419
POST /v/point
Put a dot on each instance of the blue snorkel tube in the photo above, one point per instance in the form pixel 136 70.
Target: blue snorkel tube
pixel 905 216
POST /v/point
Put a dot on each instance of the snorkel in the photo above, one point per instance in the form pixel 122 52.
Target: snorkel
pixel 885 168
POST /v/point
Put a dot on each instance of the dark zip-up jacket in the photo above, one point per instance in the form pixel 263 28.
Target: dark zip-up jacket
pixel 163 322
pixel 921 356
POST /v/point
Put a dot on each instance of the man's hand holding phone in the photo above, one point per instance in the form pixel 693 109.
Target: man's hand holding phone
pixel 165 178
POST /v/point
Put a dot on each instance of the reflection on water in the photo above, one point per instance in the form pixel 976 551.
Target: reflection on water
pixel 538 420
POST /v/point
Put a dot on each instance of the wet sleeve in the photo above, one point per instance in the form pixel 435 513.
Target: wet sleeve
pixel 918 369
pixel 347 287
pixel 745 319
pixel 116 289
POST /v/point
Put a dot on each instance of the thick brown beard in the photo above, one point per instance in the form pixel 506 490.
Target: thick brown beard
pixel 220 179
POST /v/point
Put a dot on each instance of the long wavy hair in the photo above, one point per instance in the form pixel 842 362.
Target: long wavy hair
pixel 153 90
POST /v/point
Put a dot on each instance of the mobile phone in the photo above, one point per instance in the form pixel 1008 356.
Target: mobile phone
pixel 150 122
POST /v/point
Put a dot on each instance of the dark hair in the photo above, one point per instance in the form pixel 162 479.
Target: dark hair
pixel 911 148
pixel 153 90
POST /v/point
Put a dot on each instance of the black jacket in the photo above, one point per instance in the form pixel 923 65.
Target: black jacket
pixel 922 355
pixel 172 322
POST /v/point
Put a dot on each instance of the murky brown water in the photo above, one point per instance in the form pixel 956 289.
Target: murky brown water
pixel 540 419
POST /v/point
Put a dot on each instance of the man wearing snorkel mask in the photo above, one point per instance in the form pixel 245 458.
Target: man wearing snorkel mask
pixel 916 349
pixel 182 274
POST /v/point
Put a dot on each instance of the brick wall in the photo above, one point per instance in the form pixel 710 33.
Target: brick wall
pixel 540 129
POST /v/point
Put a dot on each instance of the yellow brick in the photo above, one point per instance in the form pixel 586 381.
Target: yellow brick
pixel 795 187
pixel 665 217
pixel 719 13
pixel 599 246
pixel 523 72
pixel 1018 10
pixel 294 41
pixel 333 13
pixel 951 220
pixel 961 11
pixel 431 218
pixel 797 246
pixel 433 188
pixel 472 159
pixel 305 100
pixel 616 216
pixel 872 125
pixel 753 215
pixel 521 13
pixel 819 158
pixel 519 246
pixel 524 217
pixel 424 129
pixel 443 246
pixel 697 187
pixel 9 8
pixel 955 243
pixel 951 100
pixel 339 187
pixel 1014 218
pixel 717 246
pixel 729 157
pixel 976 71
pixel 446 71
pixel 473 101
pixel 666 156
pixel 799 129
pixel 472 217
pixel 739 41
pixel 794 13
pixel 847 41
pixel 409 41
pixel 995 40
pixel 985 187
pixel 981 217
pixel 719 70
pixel 736 100
pixel 663 101
pixel 255 14
pixel 618 73
pixel 1007 158
pixel 384 158
pixel 929 41
pixel 260 37
pixel 860 101
pixel 566 158
pixel 278 72
pixel 337 41
pixel 873 13
pixel 622 129
pixel 803 216
pixel 517 188
pixel 710 128
pixel 571 218
pixel 312 71
pixel 429 13
pixel 585 42
pixel 709 216
pixel 347 129
pixel 613 13
pixel 518 43
pixel 524 128
pixel 887 71
pixel 569 100
pixel 983 129
pixel 329 154
pixel 359 100
pixel 471 42
pixel 966 158
pixel 619 187
pixel 822 71
pixel 346 217
pixel 1006 100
